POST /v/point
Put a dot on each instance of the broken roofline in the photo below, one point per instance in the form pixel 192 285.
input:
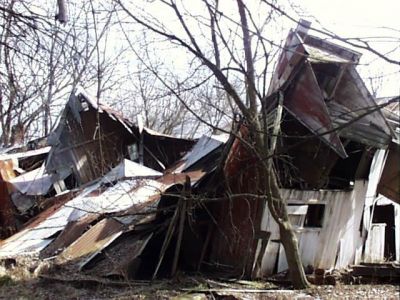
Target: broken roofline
pixel 310 90
pixel 81 94
pixel 75 148
pixel 139 192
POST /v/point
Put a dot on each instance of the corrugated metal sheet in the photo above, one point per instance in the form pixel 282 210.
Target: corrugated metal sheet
pixel 288 61
pixel 305 101
pixel 202 148
pixel 95 199
pixel 94 240
pixel 128 168
pixel 35 182
pixel 54 219
pixel 353 101
pixel 70 234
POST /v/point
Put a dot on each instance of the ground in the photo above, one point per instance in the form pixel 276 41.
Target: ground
pixel 60 287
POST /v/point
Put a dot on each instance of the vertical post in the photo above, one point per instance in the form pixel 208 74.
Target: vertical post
pixel 141 159
pixel 182 216
pixel 141 146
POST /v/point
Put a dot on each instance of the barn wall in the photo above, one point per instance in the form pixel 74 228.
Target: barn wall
pixel 333 245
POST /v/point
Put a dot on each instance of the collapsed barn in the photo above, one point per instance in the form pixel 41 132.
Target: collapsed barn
pixel 117 199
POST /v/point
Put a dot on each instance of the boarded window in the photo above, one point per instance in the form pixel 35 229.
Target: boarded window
pixel 315 215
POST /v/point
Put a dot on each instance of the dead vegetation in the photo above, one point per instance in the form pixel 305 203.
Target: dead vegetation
pixel 16 283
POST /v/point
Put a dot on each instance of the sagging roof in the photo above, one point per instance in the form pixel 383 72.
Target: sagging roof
pixel 325 93
pixel 76 229
pixel 91 138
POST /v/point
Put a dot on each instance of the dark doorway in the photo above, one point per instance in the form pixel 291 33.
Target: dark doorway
pixel 385 214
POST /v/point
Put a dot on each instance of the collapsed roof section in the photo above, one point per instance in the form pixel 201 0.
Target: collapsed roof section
pixel 92 138
pixel 114 217
pixel 324 92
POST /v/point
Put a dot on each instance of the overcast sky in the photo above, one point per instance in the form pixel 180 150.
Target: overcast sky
pixel 377 20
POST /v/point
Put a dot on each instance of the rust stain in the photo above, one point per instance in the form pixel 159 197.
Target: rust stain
pixel 234 244
pixel 95 239
pixel 55 204
pixel 8 225
pixel 306 103
pixel 71 232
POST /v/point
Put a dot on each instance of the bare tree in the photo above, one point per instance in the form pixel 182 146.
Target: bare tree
pixel 227 61
pixel 42 61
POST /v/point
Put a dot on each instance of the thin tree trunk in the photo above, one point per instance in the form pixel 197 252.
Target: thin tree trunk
pixel 290 244
pixel 278 210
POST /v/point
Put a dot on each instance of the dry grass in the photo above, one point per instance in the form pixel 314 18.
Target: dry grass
pixel 25 283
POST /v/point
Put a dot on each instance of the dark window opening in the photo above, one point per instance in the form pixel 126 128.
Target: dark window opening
pixel 133 152
pixel 71 182
pixel 315 215
pixel 385 214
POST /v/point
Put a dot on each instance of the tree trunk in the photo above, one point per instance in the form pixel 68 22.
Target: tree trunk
pixel 278 210
pixel 290 244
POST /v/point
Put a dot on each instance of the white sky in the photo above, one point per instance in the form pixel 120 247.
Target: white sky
pixel 365 18
pixel 377 20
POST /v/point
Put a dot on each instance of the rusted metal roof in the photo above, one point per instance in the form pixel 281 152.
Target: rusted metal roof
pixel 288 61
pixel 92 241
pixel 69 218
pixel 346 108
pixel 353 101
pixel 306 103
pixel 8 225
pixel 70 234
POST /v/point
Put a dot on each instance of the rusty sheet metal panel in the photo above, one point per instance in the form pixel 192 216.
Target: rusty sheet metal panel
pixel 389 184
pixel 305 102
pixel 8 225
pixel 94 240
pixel 234 243
pixel 362 130
pixel 293 53
pixel 70 234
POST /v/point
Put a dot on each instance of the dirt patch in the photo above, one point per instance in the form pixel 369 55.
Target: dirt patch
pixel 181 288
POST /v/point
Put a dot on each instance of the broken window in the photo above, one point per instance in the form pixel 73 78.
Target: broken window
pixel 315 215
pixel 297 214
